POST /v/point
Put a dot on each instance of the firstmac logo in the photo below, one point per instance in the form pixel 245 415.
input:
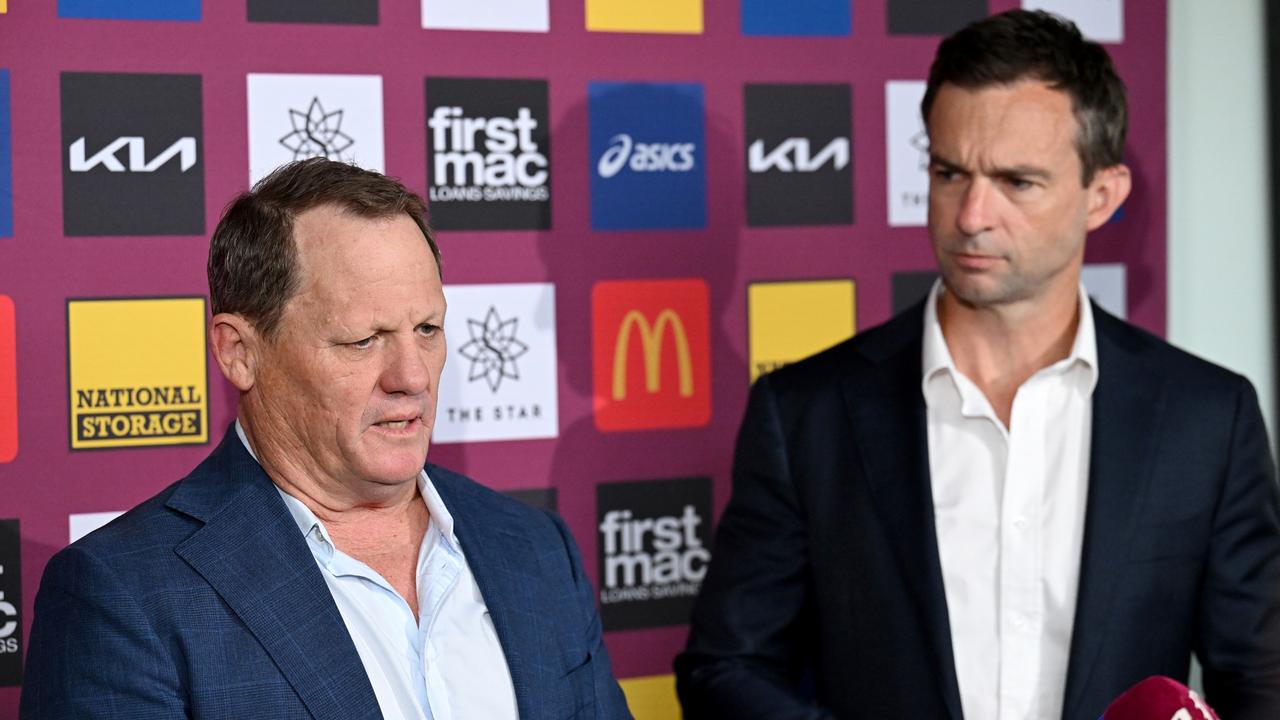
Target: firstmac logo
pixel 651 354
pixel 10 604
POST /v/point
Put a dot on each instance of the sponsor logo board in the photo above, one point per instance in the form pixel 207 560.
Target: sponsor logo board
pixel 798 155
pixel 1104 282
pixel 499 382
pixel 786 17
pixel 651 16
pixel 540 498
pixel 488 154
pixel 8 380
pixel 652 696
pixel 345 12
pixel 132 147
pixel 137 372
pixel 933 17
pixel 11 650
pixel 789 321
pixel 81 524
pixel 653 548
pixel 1099 20
pixel 6 159
pixel 647 154
pixel 517 15
pixel 295 117
pixel 130 9
pixel 907 154
pixel 651 354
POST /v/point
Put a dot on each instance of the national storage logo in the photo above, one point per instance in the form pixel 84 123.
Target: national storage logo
pixel 499 382
pixel 789 321
pixel 10 604
pixel 488 154
pixel 647 153
pixel 137 372
pixel 799 169
pixel 651 354
pixel 132 147
pixel 8 380
pixel 654 547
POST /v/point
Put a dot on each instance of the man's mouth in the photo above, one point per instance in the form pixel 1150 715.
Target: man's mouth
pixel 396 424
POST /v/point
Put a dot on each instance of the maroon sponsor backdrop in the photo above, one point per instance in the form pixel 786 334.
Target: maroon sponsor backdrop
pixel 41 267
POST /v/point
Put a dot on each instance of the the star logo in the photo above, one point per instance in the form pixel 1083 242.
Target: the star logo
pixel 920 141
pixel 316 133
pixel 493 349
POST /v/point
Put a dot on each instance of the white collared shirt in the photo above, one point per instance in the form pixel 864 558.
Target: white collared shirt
pixel 448 664
pixel 1009 507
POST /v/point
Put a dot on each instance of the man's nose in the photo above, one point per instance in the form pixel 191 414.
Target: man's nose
pixel 975 214
pixel 407 370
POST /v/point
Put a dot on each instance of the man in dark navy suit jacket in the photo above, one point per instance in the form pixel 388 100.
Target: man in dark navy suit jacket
pixel 310 567
pixel 1004 503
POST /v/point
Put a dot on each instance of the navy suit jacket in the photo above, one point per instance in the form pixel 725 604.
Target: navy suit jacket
pixel 205 601
pixel 825 595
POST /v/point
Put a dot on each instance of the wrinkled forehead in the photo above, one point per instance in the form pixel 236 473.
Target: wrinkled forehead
pixel 1026 118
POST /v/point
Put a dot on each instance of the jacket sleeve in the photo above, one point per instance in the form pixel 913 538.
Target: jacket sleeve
pixel 92 652
pixel 1238 638
pixel 610 703
pixel 748 642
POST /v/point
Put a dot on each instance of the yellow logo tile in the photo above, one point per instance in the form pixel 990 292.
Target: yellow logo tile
pixel 652 16
pixel 789 321
pixel 137 372
pixel 652 698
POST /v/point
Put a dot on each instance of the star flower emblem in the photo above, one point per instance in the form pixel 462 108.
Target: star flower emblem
pixel 493 349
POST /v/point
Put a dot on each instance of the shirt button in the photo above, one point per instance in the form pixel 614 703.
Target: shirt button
pixel 1021 523
pixel 1019 622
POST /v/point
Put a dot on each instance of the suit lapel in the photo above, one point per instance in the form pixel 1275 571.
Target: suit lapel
pixel 503 564
pixel 1127 406
pixel 251 552
pixel 888 416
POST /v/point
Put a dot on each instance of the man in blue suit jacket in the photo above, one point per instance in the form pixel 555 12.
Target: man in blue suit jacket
pixel 310 567
pixel 1003 503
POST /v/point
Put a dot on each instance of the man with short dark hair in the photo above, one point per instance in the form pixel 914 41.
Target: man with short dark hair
pixel 1003 503
pixel 311 566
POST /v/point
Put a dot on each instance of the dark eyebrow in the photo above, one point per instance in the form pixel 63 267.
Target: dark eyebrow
pixel 935 159
pixel 1016 171
pixel 1022 171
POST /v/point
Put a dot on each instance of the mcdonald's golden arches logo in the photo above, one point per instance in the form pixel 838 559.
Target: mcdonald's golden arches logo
pixel 651 354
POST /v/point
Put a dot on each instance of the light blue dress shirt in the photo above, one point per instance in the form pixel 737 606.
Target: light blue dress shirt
pixel 448 663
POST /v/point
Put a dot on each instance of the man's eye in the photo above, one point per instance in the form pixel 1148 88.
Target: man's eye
pixel 1018 183
pixel 428 329
pixel 944 174
pixel 362 344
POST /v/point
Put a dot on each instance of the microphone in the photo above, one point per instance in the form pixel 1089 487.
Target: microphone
pixel 1159 698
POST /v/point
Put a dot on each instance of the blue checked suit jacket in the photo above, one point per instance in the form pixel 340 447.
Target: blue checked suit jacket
pixel 205 601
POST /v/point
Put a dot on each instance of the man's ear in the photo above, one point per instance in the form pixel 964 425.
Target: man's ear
pixel 237 348
pixel 1109 188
